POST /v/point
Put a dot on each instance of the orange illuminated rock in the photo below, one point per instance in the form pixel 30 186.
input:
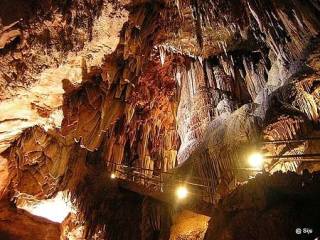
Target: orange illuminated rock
pixel 19 224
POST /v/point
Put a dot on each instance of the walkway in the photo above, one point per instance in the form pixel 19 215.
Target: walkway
pixel 162 186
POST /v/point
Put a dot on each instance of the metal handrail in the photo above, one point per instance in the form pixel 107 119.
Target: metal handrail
pixel 291 140
pixel 160 172
pixel 294 156
pixel 157 176
pixel 154 178
pixel 157 180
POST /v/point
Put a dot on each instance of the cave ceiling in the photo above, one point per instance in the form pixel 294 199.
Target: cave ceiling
pixel 185 86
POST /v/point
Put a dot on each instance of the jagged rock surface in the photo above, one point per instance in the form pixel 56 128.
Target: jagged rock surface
pixel 19 224
pixel 88 85
pixel 269 207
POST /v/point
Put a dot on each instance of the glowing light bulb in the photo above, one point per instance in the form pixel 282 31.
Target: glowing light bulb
pixel 256 160
pixel 113 176
pixel 182 192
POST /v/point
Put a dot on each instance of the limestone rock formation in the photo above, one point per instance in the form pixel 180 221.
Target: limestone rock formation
pixel 270 207
pixel 19 224
pixel 156 93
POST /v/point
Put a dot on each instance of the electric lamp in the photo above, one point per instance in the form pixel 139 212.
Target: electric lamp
pixel 256 160
pixel 182 192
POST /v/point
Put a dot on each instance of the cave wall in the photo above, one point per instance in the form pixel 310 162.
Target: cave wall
pixel 188 83
pixel 19 224
pixel 269 207
pixel 254 88
pixel 108 211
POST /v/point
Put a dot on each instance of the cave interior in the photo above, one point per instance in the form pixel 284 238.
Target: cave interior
pixel 159 119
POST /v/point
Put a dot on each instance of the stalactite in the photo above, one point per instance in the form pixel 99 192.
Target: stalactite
pixel 49 152
pixel 190 83
pixel 255 76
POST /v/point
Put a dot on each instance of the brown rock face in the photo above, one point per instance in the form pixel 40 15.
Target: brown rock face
pixel 188 225
pixel 185 87
pixel 4 174
pixel 269 207
pixel 19 224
